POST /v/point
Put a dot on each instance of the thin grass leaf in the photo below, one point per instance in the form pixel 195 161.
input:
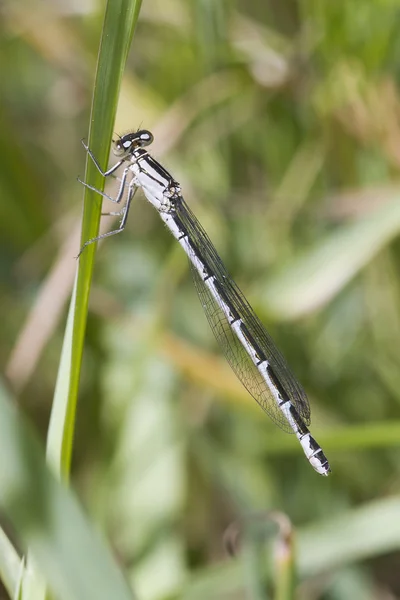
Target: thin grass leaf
pixel 18 587
pixel 358 534
pixel 10 564
pixel 58 436
pixel 119 23
pixel 284 563
pixel 355 437
pixel 48 519
pixel 33 583
pixel 316 277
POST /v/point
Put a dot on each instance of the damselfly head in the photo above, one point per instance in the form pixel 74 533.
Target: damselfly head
pixel 128 142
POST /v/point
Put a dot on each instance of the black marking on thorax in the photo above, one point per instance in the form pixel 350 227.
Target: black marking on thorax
pixel 142 157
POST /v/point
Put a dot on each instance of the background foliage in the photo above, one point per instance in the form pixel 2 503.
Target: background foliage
pixel 281 121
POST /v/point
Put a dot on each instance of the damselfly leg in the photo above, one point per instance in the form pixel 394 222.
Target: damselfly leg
pixel 132 187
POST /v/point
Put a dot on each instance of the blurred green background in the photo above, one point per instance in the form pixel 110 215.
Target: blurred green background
pixel 281 121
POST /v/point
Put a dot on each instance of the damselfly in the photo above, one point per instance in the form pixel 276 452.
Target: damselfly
pixel 245 342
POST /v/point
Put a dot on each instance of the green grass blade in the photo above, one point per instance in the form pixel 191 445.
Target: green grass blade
pixel 320 273
pixel 119 23
pixel 48 519
pixel 358 534
pixel 364 436
pixel 61 424
pixel 284 554
pixel 17 595
pixel 10 564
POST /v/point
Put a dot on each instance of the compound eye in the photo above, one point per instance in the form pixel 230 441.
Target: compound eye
pixel 145 137
pixel 121 146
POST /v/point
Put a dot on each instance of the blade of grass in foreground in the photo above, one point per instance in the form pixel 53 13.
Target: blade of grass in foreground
pixel 319 274
pixel 119 23
pixel 10 564
pixel 49 520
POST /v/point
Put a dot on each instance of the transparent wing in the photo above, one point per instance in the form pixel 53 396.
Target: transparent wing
pixel 235 353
